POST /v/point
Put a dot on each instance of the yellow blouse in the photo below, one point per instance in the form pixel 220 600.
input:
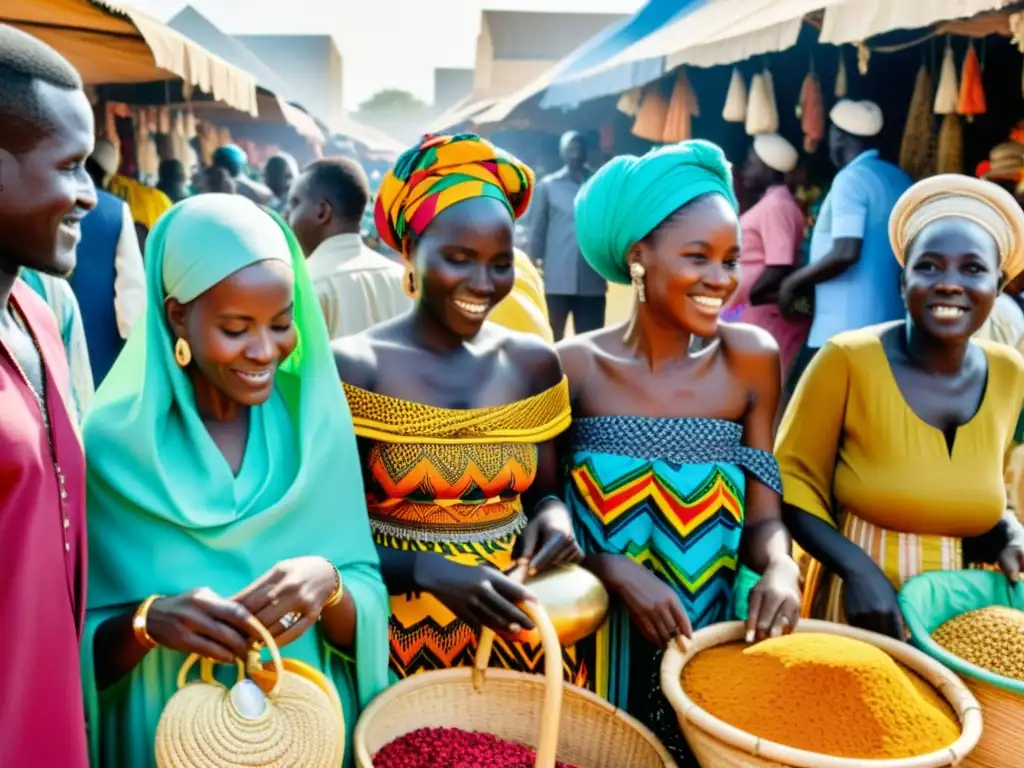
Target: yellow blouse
pixel 849 443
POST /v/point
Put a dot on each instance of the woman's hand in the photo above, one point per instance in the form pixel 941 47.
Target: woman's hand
pixel 1011 561
pixel 200 621
pixel 548 539
pixel 774 603
pixel 652 604
pixel 288 598
pixel 477 594
pixel 870 602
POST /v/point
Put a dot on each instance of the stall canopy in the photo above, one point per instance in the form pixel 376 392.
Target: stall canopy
pixel 111 43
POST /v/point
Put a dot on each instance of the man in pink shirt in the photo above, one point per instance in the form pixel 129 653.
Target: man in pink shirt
pixel 772 232
pixel 46 134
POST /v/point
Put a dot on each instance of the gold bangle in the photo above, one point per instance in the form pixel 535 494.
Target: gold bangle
pixel 339 590
pixel 139 623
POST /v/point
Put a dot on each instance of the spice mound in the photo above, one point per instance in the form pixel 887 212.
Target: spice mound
pixel 454 748
pixel 990 638
pixel 822 693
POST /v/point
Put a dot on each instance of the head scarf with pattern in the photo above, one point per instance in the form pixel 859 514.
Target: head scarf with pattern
pixel 438 173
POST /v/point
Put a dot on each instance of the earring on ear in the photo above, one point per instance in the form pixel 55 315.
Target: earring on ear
pixel 636 274
pixel 182 353
pixel 409 282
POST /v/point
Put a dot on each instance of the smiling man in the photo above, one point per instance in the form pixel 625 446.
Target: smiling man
pixel 46 134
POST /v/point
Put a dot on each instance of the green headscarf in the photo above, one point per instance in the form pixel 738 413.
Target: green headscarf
pixel 166 513
pixel 630 196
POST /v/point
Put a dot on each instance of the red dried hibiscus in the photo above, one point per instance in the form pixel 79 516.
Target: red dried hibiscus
pixel 454 748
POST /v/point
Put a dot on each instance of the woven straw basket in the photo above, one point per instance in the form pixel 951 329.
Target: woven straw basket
pixel 302 724
pixel 719 745
pixel 578 726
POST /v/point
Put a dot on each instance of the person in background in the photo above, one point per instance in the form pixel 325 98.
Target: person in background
pixel 279 175
pixel 773 229
pixel 852 273
pixel 1005 325
pixel 357 287
pixel 570 285
pixel 109 281
pixel 46 134
pixel 172 180
pixel 146 203
pixel 892 448
pixel 232 158
pixel 215 180
pixel 525 309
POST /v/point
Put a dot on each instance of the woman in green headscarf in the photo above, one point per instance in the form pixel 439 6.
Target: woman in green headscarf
pixel 209 447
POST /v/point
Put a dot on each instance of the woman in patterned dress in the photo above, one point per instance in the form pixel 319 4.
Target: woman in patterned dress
pixel 456 415
pixel 670 474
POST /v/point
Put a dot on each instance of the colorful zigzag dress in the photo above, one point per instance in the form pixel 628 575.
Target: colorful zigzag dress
pixel 668 494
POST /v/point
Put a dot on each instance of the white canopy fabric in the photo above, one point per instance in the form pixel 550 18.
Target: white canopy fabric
pixel 462 111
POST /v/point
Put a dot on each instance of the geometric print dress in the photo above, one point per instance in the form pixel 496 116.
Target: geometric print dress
pixel 668 494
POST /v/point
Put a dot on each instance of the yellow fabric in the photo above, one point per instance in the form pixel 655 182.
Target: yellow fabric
pixel 525 309
pixel 146 203
pixel 536 419
pixel 848 439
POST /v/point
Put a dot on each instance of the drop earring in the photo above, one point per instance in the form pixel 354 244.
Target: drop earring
pixel 636 274
pixel 409 283
pixel 182 353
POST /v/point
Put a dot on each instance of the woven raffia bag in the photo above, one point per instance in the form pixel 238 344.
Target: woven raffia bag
pixel 298 723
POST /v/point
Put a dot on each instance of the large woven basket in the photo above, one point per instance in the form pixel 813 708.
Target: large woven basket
pixel 719 745
pixel 583 729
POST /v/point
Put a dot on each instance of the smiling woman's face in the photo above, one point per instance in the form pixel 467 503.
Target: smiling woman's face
pixel 464 264
pixel 951 279
pixel 240 330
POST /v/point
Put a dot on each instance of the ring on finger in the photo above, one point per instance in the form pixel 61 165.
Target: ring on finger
pixel 290 619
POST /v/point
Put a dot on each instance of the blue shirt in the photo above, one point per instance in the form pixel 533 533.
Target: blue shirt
pixel 858 206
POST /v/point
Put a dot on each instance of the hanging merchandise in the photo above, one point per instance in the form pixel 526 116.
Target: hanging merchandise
pixel 606 137
pixel 772 101
pixel 682 108
pixel 948 92
pixel 759 107
pixel 916 148
pixel 735 110
pixel 629 102
pixel 811 111
pixel 972 89
pixel 842 80
pixel 164 120
pixel 863 57
pixel 650 119
pixel 950 153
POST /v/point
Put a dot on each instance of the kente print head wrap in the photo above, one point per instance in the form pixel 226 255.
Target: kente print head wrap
pixel 441 171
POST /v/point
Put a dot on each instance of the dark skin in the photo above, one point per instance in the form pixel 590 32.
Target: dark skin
pixel 844 148
pixel 313 218
pixel 574 155
pixel 239 332
pixel 758 178
pixel 942 376
pixel 464 261
pixel 45 193
pixel 280 174
pixel 647 367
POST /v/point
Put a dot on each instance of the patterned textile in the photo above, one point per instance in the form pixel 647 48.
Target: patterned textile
pixel 668 494
pixel 449 481
pixel 440 172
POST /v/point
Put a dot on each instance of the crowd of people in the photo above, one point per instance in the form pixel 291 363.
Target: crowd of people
pixel 357 451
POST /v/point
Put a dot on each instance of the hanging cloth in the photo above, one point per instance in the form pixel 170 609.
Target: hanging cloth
pixel 772 101
pixel 842 79
pixel 972 89
pixel 682 108
pixel 629 102
pixel 916 156
pixel 650 119
pixel 811 111
pixel 948 92
pixel 735 110
pixel 762 116
pixel 950 154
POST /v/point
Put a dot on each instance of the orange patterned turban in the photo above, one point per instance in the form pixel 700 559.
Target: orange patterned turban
pixel 440 172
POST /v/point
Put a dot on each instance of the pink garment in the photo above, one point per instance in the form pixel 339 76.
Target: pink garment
pixel 772 232
pixel 43 561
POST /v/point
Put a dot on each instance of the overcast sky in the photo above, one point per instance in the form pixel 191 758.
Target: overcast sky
pixel 384 43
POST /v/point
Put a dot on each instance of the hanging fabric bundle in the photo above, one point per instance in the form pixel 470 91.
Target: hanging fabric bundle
pixel 682 108
pixel 811 111
pixel 650 118
pixel 916 148
pixel 842 80
pixel 948 92
pixel 760 109
pixel 735 110
pixel 772 101
pixel 629 102
pixel 972 89
pixel 950 154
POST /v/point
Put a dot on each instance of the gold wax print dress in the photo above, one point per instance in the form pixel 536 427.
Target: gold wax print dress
pixel 450 481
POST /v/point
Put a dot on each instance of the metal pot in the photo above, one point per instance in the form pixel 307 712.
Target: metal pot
pixel 574 598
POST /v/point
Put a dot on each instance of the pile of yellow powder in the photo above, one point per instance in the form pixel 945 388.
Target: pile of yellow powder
pixel 822 693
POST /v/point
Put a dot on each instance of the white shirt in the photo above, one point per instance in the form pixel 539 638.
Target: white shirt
pixel 357 287
pixel 129 276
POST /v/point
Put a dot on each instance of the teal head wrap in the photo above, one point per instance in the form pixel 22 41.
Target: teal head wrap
pixel 168 515
pixel 630 196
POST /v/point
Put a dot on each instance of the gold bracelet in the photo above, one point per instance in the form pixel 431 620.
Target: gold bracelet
pixel 139 623
pixel 339 590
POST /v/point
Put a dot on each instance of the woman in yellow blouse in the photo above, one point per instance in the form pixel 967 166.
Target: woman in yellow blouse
pixel 892 448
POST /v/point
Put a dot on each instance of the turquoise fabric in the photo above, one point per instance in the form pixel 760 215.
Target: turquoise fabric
pixel 167 514
pixel 931 599
pixel 630 196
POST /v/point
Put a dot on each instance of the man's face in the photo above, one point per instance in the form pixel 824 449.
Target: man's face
pixel 280 177
pixel 45 192
pixel 575 153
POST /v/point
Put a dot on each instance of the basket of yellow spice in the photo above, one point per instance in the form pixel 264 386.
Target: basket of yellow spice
pixel 973 622
pixel 827 696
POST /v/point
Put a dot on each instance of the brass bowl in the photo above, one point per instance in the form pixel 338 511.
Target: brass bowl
pixel 575 600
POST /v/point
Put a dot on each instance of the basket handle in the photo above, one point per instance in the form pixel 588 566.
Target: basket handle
pixel 206 664
pixel 671 671
pixel 486 645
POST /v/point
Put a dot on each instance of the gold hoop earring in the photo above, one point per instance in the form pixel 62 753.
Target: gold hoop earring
pixel 409 283
pixel 182 353
pixel 636 275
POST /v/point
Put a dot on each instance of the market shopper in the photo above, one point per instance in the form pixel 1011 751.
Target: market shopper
pixel 147 204
pixel 456 415
pixel 670 471
pixel 892 447
pixel 172 180
pixel 279 174
pixel 212 452
pixel 232 158
pixel 46 134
